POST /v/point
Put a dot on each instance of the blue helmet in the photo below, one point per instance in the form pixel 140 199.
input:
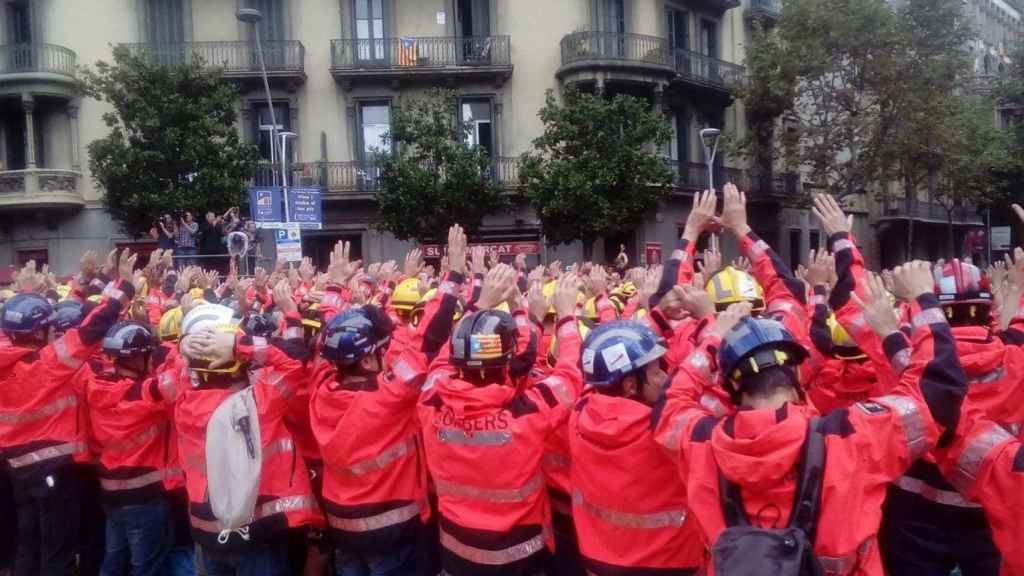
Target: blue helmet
pixel 355 334
pixel 26 313
pixel 128 338
pixel 755 344
pixel 67 314
pixel 617 349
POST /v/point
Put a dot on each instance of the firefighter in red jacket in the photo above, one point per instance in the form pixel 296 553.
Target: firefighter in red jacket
pixel 628 503
pixel 41 424
pixel 484 436
pixel 220 361
pixel 135 448
pixel 364 417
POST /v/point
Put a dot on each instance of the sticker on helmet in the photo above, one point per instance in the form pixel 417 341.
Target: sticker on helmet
pixel 484 346
pixel 588 361
pixel 616 358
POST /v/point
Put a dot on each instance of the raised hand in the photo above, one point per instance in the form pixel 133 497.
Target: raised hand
pixel 821 267
pixel 283 298
pixel 413 263
pixel 498 286
pixel 564 298
pixel 457 246
pixel 912 280
pixel 126 264
pixel 341 269
pixel 598 281
pixel 306 270
pixel 87 265
pixel 831 216
pixel 712 260
pixel 695 301
pixel 110 264
pixel 734 211
pixel 387 273
pixel 649 285
pixel 742 263
pixel 520 263
pixel 536 275
pixel 877 309
pixel 536 303
pixel 701 215
pixel 478 256
pixel 730 317
pixel 260 279
pixel 28 279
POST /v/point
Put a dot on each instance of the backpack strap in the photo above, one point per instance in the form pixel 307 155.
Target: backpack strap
pixel 807 500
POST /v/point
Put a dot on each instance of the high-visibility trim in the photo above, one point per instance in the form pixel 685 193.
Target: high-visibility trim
pixel 713 404
pixel 65 357
pixel 819 300
pixel 259 350
pixel 281 505
pixel 278 446
pixel 568 329
pixel 370 523
pixel 785 306
pixel 166 383
pixel 559 387
pixel 758 249
pixel 929 492
pixel 843 565
pixel 911 422
pixel 380 461
pixel 969 464
pixel 651 521
pixel 675 432
pixel 989 377
pixel 553 460
pixel 928 316
pixel 521 494
pixel 700 362
pixel 56 407
pixel 44 454
pixel 447 287
pixel 137 440
pixel 679 254
pixel 276 379
pixel 842 244
pixel 493 557
pixel 485 438
pixel 116 484
pixel 292 332
pixel 900 360
pixel 405 373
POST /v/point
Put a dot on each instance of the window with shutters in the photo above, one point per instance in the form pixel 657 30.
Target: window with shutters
pixel 369 30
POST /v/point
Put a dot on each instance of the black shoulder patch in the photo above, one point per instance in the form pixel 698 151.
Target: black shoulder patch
pixel 702 431
pixel 521 406
pixel 433 400
pixel 871 408
pixel 837 423
pixel 547 394
pixel 1018 460
pixel 581 404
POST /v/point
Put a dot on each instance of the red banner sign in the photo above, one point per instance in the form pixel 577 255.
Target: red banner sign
pixel 652 253
pixel 501 248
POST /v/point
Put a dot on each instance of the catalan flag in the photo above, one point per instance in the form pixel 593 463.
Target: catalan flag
pixel 484 346
pixel 407 51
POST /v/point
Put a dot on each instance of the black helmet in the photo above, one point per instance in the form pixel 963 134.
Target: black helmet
pixel 484 339
pixel 67 315
pixel 128 338
pixel 26 313
pixel 259 325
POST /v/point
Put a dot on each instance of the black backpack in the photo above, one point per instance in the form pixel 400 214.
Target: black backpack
pixel 745 550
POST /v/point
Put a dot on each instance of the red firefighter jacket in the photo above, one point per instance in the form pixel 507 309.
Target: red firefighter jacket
pixel 375 486
pixel 484 446
pixel 628 503
pixel 42 425
pixel 867 446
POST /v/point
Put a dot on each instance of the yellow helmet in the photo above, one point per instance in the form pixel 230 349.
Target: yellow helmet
pixel 95 298
pixel 549 290
pixel 731 285
pixel 626 291
pixel 590 310
pixel 143 290
pixel 406 295
pixel 6 294
pixel 63 291
pixel 417 311
pixel 311 317
pixel 553 348
pixel 210 317
pixel 170 325
pixel 843 346
pixel 196 293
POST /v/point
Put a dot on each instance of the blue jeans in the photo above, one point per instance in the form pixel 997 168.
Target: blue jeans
pixel 269 559
pixel 184 255
pixel 400 563
pixel 138 539
pixel 180 561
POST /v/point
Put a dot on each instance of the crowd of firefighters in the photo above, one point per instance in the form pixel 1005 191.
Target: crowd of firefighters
pixel 492 420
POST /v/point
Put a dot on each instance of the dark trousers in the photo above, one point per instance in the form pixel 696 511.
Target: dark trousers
pixel 8 536
pixel 92 527
pixel 923 538
pixel 138 539
pixel 48 524
pixel 267 559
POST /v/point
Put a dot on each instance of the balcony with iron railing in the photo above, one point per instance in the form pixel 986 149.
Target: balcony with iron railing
pixel 25 66
pixel 693 177
pixel 239 60
pixel 629 57
pixel 703 71
pixel 768 11
pixel 40 188
pixel 927 211
pixel 421 58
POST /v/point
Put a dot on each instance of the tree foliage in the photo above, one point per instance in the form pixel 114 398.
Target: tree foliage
pixel 172 145
pixel 594 171
pixel 431 177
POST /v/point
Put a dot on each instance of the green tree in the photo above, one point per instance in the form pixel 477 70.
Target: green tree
pixel 594 171
pixel 172 145
pixel 431 178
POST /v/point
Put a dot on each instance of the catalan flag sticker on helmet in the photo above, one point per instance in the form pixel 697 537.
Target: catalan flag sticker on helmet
pixel 484 346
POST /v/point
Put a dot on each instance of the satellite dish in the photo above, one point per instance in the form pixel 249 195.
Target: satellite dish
pixel 238 244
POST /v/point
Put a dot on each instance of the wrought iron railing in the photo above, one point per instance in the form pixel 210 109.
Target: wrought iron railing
pixel 925 209
pixel 16 58
pixel 421 52
pixel 231 56
pixel 590 45
pixel 767 7
pixel 705 69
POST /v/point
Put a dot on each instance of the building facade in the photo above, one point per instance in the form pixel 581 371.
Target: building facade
pixel 336 68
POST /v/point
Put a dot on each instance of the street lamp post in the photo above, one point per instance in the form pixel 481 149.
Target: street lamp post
pixel 285 137
pixel 709 140
pixel 254 17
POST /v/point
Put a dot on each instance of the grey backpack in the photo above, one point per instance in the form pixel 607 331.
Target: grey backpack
pixel 234 463
pixel 746 550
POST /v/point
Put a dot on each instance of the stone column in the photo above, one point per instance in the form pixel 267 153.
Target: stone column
pixel 72 113
pixel 28 104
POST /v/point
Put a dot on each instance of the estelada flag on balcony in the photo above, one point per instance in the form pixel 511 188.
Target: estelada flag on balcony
pixel 406 51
